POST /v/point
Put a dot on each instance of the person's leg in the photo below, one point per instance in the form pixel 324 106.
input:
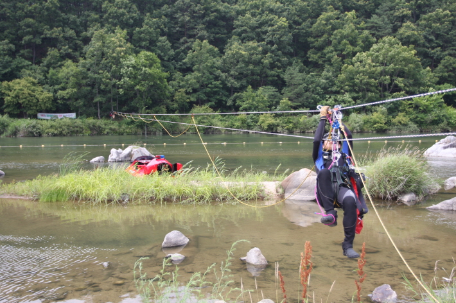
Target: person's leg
pixel 325 197
pixel 348 200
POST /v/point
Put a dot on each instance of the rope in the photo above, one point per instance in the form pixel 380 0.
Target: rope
pixel 308 111
pixel 383 225
pixel 169 132
pixel 226 186
pixel 297 136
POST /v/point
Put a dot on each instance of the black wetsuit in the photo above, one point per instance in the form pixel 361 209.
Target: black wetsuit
pixel 330 194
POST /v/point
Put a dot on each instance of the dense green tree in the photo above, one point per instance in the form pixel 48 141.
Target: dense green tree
pixel 143 75
pixel 387 68
pixel 25 96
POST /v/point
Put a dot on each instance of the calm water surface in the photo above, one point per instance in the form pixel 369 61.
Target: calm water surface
pixel 55 252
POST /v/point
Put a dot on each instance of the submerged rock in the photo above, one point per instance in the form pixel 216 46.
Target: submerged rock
pixel 304 191
pixel 384 294
pixel 444 205
pixel 175 238
pixel 255 257
pixel 444 148
pixel 176 258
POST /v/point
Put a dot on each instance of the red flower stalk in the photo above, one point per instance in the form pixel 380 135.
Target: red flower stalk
pixel 361 274
pixel 305 268
pixel 282 286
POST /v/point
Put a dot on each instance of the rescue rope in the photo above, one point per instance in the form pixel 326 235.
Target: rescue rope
pixel 306 111
pixel 226 185
pixel 288 135
pixel 381 221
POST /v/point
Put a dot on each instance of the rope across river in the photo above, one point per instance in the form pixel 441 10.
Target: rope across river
pixel 138 116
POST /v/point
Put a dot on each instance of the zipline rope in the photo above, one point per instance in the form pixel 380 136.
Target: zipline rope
pixel 226 185
pixel 285 135
pixel 302 111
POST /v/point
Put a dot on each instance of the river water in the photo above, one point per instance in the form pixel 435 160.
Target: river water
pixel 58 252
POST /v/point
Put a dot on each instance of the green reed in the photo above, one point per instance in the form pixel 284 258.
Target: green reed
pixel 106 185
pixel 398 170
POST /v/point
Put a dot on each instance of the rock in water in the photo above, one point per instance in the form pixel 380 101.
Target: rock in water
pixel 306 190
pixel 444 148
pixel 449 183
pixel 255 257
pixel 384 294
pixel 97 159
pixel 175 238
pixel 444 205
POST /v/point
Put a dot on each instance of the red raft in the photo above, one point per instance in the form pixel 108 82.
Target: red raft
pixel 147 165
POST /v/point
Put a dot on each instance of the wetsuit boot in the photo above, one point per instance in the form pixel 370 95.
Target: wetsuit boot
pixel 330 218
pixel 349 251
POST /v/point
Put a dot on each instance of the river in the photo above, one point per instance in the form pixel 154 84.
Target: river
pixel 58 252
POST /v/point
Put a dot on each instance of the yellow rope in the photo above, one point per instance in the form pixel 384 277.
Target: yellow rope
pixel 381 221
pixel 169 132
pixel 226 186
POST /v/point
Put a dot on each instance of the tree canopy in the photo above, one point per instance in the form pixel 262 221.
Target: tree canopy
pixel 98 56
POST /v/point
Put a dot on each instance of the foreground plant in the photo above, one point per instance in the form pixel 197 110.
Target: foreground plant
pixel 360 271
pixel 443 289
pixel 166 285
pixel 398 170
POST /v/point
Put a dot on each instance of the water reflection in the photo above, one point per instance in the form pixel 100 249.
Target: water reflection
pixel 51 251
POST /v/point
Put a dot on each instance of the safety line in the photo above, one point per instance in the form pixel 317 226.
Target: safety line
pixel 304 111
pixel 381 221
pixel 297 136
pixel 226 186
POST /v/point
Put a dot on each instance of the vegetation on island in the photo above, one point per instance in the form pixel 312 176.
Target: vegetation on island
pixel 95 57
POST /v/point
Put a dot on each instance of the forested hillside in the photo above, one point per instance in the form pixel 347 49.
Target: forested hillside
pixel 94 57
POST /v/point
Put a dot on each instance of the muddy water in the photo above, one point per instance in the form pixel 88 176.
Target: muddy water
pixel 58 252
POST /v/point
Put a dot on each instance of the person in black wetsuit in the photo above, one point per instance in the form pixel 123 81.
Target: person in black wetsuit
pixel 334 189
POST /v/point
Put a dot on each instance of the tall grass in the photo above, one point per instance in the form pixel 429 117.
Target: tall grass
pixel 398 170
pixel 442 288
pixel 105 185
pixel 166 287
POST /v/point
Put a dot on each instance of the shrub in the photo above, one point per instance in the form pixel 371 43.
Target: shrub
pixel 396 171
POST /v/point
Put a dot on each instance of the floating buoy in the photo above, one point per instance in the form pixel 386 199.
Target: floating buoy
pixel 164 144
pixel 104 145
pixel 299 142
pixel 123 145
pixel 243 143
pixel 368 142
pixel 42 145
pixel 145 144
pixel 261 143
pixel 20 146
pixel 419 141
pixel 402 141
pixel 185 143
pixel 386 141
pixel 61 145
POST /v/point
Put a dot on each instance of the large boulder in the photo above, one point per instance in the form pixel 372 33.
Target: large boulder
pixel 449 183
pixel 114 156
pixel 444 148
pixel 129 154
pixel 175 238
pixel 2 173
pixel 444 205
pixel 139 152
pixel 384 294
pixel 293 185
